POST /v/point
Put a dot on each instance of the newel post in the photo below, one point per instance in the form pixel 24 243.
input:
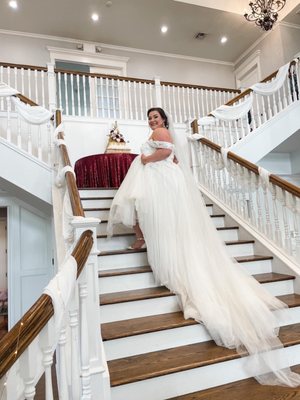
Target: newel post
pixel 94 370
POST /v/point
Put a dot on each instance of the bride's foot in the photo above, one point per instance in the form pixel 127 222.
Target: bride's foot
pixel 138 244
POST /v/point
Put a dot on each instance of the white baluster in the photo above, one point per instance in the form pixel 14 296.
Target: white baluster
pixel 29 82
pixel 84 340
pixel 125 99
pixel 75 351
pixel 152 94
pixel 287 230
pixel 188 103
pixel 8 127
pixel 1 97
pixel 40 153
pixel 269 113
pixel 66 93
pixel 28 370
pixel 78 95
pixel 59 92
pixel 277 236
pixel 8 76
pixel 194 114
pixel 100 94
pixel 15 78
pixel 121 105
pixel 296 211
pixel 157 87
pixel 50 143
pixel 179 102
pixel 174 105
pixel 198 104
pixel 146 86
pixel 46 343
pixel 22 80
pixel 169 98
pixel 19 137
pixel 52 93
pixel 72 93
pixel 285 100
pixel 130 102
pixel 141 100
pixel 43 88
pixel 62 376
pixel 135 100
pixel 36 86
pixel 184 104
pixel 29 142
pixel 84 96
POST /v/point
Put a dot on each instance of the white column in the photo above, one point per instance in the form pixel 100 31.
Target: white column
pixel 158 100
pixel 51 87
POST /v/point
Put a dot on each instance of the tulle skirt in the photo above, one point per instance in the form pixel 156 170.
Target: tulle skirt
pixel 187 256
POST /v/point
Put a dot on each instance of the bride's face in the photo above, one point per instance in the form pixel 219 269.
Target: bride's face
pixel 155 120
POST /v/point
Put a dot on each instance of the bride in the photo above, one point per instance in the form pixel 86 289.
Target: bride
pixel 161 201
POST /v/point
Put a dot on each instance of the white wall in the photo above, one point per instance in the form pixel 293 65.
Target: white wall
pixel 290 42
pixel 295 161
pixel 277 163
pixel 33 51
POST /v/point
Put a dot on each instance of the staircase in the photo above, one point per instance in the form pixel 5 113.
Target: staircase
pixel 153 353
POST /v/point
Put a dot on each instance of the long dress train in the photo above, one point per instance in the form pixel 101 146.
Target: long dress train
pixel 187 256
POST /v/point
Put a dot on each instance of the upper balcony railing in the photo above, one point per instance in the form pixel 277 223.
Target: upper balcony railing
pixel 82 94
pixel 253 108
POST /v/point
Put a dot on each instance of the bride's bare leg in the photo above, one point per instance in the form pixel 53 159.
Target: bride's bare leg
pixel 139 240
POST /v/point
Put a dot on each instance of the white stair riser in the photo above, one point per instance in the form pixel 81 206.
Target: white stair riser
pixel 155 341
pixel 170 338
pixel 146 280
pixel 115 242
pixel 97 193
pixel 280 288
pixel 219 222
pixel 229 234
pixel 139 308
pixel 257 267
pixel 180 383
pixel 96 203
pixel 121 260
pixel 236 250
pixel 102 229
pixel 126 282
pixel 102 214
pixel 209 210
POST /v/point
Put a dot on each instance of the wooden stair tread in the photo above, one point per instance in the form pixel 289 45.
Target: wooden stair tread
pixel 256 257
pixel 240 241
pixel 217 215
pixel 122 251
pixel 124 271
pixel 96 209
pixel 161 291
pixel 103 236
pixel 237 391
pixel 272 277
pixel 224 228
pixel 98 188
pixel 96 198
pixel 134 295
pixel 138 326
pixel 145 366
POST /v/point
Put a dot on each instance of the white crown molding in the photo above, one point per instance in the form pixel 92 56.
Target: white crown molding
pixel 114 47
pixel 97 56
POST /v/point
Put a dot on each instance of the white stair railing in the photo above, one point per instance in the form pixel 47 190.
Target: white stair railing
pixel 265 201
pixel 264 107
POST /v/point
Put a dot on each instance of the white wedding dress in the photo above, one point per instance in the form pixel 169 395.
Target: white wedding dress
pixel 187 256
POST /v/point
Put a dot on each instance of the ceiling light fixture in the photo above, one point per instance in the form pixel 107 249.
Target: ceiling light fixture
pixel 223 39
pixel 164 29
pixel 13 4
pixel 95 17
pixel 264 13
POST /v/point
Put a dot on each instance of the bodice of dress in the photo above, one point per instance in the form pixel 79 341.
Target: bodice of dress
pixel 151 146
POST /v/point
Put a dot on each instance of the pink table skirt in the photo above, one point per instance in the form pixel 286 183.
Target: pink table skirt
pixel 102 170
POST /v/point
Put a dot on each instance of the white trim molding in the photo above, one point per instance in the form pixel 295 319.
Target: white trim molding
pixel 105 62
pixel 252 63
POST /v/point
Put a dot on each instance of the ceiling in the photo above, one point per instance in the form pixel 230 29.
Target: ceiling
pixel 136 23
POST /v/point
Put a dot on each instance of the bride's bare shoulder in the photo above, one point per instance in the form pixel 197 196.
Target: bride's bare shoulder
pixel 161 134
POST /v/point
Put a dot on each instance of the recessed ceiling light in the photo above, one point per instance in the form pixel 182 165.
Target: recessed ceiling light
pixel 164 29
pixel 223 39
pixel 95 17
pixel 13 4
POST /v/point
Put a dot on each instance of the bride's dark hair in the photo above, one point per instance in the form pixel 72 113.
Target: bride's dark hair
pixel 161 113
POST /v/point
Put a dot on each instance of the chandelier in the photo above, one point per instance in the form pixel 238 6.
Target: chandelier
pixel 265 12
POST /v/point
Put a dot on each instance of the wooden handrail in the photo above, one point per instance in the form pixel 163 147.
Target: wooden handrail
pixel 186 85
pixel 15 342
pixel 275 179
pixel 24 66
pixel 94 75
pixel 26 100
pixel 70 178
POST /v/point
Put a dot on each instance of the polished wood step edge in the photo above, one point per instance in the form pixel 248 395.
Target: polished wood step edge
pixel 141 325
pixel 182 358
pixel 124 271
pixel 96 198
pixel 122 251
pixel 96 209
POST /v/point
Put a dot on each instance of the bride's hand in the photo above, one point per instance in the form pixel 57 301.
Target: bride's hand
pixel 144 159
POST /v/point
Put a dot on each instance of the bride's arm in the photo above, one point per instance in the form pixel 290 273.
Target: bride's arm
pixel 160 134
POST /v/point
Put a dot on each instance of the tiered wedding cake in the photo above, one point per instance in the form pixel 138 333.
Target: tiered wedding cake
pixel 116 142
